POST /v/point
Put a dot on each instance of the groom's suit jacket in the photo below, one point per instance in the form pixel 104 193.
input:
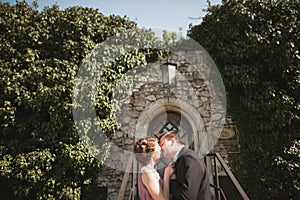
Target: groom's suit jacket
pixel 191 181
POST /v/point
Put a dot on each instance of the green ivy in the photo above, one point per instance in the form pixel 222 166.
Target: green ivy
pixel 41 154
pixel 255 45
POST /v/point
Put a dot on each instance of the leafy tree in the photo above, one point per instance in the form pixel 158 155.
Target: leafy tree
pixel 255 45
pixel 41 154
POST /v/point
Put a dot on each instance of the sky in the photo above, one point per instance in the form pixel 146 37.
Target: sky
pixel 155 14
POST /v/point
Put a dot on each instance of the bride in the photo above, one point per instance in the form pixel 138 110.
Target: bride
pixel 150 184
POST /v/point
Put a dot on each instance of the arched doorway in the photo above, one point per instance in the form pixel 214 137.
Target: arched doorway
pixel 180 113
pixel 171 120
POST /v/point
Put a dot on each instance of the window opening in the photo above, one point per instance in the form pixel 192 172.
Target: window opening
pixel 168 127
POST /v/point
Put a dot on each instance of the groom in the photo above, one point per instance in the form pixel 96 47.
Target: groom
pixel 191 181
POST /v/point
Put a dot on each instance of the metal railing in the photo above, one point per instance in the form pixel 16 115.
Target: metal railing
pixel 125 179
pixel 218 189
pixel 217 157
pixel 216 186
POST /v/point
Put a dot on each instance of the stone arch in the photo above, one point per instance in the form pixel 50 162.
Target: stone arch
pixel 189 112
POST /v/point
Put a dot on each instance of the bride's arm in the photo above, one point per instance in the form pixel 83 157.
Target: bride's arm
pixel 152 184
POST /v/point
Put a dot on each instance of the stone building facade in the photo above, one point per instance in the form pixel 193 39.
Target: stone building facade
pixel 182 92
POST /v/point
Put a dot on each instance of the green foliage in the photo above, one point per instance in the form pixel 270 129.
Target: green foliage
pixel 291 161
pixel 41 154
pixel 255 45
pixel 170 38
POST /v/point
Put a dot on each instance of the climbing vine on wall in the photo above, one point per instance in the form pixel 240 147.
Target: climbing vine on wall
pixel 255 45
pixel 41 155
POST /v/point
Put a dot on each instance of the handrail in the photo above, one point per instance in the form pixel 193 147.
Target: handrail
pixel 215 155
pixel 131 195
pixel 219 189
pixel 125 179
pixel 230 175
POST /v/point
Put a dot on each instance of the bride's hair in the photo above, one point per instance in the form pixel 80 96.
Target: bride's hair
pixel 144 149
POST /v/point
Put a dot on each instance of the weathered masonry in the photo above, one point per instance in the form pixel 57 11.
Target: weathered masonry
pixel 172 94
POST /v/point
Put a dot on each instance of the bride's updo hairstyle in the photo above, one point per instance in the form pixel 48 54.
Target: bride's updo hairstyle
pixel 144 149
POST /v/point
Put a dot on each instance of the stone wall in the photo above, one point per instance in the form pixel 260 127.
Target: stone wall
pixel 147 96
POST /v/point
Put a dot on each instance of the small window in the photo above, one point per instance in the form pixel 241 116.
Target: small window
pixel 168 127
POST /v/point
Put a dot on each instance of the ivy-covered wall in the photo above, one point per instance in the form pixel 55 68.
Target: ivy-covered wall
pixel 41 156
pixel 255 45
